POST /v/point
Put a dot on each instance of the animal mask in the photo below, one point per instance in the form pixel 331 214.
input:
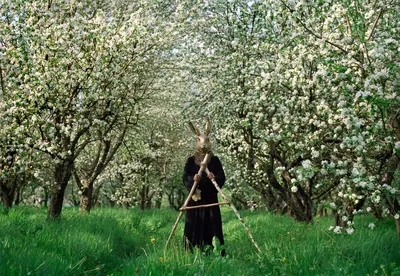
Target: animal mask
pixel 203 145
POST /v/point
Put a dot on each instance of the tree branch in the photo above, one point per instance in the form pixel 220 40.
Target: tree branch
pixel 3 89
pixel 375 24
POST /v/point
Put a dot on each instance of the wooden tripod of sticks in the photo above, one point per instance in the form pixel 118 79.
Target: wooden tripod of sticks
pixel 203 168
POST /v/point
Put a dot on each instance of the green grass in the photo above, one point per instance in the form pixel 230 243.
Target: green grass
pixel 117 242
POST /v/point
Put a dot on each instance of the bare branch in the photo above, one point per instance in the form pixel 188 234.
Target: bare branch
pixel 375 24
pixel 3 89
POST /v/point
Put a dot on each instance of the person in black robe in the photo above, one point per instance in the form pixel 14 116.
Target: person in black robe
pixel 203 224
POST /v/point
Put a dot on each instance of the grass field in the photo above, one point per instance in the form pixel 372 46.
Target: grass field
pixel 117 242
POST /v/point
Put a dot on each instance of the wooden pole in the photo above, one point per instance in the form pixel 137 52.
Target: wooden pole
pixel 235 211
pixel 203 206
pixel 203 166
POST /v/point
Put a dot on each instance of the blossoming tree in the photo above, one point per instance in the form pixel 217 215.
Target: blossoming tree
pixel 71 70
pixel 305 97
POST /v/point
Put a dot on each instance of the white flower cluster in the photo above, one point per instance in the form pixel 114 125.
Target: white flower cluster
pixel 336 229
pixel 371 226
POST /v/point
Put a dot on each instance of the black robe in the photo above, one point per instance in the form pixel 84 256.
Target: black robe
pixel 202 224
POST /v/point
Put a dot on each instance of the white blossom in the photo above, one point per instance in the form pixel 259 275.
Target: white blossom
pixel 350 230
pixel 371 226
pixel 337 230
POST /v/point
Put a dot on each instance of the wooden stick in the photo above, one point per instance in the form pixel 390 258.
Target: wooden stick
pixel 203 166
pixel 235 211
pixel 203 206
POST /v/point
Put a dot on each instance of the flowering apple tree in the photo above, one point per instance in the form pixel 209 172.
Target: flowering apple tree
pixel 69 68
pixel 305 96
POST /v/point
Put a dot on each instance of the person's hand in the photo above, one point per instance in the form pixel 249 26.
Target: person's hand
pixel 196 177
pixel 211 175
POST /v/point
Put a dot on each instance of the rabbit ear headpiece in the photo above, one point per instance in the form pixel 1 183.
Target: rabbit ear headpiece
pixel 196 131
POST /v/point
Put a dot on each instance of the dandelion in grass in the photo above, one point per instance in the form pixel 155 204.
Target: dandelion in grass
pixel 371 225
pixel 152 240
pixel 161 259
pixel 294 189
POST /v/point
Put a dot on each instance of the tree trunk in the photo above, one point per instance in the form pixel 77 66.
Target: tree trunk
pixel 95 195
pixel 143 197
pixel 299 204
pixel 391 201
pixel 338 219
pixel 7 200
pixel 176 198
pixel 148 198
pixel 18 197
pixel 46 198
pixel 7 194
pixel 19 189
pixel 377 211
pixel 157 203
pixel 86 199
pixel 300 209
pixel 124 205
pixel 321 210
pixel 272 202
pixel 62 174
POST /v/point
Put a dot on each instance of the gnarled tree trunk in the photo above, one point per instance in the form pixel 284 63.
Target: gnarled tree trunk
pixel 299 204
pixel 86 199
pixel 62 174
pixel 392 201
pixel 7 193
pixel 7 198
